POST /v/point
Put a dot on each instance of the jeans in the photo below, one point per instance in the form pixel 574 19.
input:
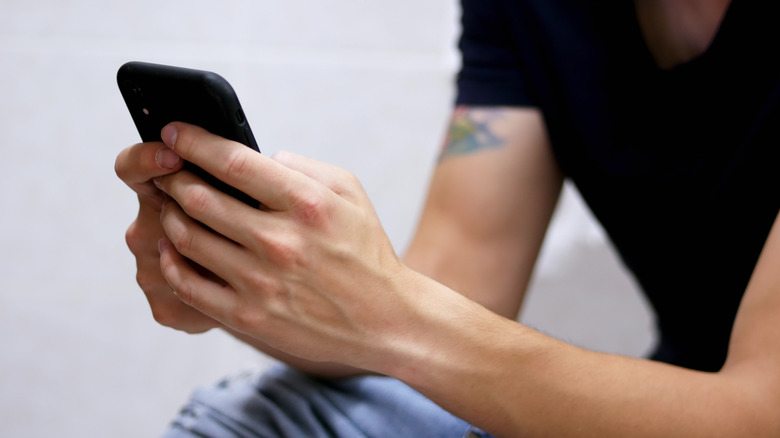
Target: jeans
pixel 285 403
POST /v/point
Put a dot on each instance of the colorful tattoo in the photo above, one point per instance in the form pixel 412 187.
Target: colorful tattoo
pixel 471 131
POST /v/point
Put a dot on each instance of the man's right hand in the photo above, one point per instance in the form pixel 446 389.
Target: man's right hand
pixel 137 166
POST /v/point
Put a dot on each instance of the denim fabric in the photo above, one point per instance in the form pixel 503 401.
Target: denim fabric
pixel 286 403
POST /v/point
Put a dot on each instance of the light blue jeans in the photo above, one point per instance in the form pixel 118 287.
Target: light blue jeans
pixel 286 403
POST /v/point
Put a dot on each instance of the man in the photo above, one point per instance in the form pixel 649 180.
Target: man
pixel 638 103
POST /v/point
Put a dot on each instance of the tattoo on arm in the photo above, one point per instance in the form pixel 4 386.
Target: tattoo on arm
pixel 471 131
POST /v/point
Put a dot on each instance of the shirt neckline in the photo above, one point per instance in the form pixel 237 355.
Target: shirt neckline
pixel 714 47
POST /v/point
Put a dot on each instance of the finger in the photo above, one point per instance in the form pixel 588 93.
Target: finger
pixel 274 185
pixel 221 256
pixel 340 181
pixel 166 308
pixel 221 212
pixel 138 164
pixel 201 293
pixel 142 239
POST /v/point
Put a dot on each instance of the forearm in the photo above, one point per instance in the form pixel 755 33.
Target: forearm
pixel 491 274
pixel 328 370
pixel 489 204
pixel 513 381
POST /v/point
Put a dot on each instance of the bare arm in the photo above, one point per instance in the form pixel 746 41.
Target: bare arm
pixel 517 382
pixel 513 381
pixel 315 276
pixel 488 206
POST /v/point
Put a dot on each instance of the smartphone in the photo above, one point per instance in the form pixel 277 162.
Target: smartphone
pixel 158 94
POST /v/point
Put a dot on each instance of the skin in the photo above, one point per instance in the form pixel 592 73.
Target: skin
pixel 679 30
pixel 312 275
pixel 311 278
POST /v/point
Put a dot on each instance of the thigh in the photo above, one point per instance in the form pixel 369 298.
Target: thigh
pixel 286 403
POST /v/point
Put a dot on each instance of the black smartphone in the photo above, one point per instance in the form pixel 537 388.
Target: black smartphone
pixel 159 94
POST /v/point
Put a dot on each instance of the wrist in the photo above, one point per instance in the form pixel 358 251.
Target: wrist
pixel 438 331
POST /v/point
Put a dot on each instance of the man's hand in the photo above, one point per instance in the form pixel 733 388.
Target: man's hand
pixel 310 273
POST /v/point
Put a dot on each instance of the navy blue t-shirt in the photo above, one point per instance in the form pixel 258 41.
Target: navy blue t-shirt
pixel 678 165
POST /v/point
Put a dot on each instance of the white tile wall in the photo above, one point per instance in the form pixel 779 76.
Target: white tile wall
pixel 364 85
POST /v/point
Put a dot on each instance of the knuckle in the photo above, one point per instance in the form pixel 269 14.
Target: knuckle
pixel 165 315
pixel 261 283
pixel 132 164
pixel 183 241
pixel 237 165
pixel 135 239
pixel 119 165
pixel 286 253
pixel 351 185
pixel 311 209
pixel 195 200
pixel 257 237
pixel 349 178
pixel 124 162
pixel 185 138
pixel 147 281
pixel 247 318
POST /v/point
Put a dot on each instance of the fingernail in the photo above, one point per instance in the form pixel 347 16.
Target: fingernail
pixel 166 158
pixel 168 135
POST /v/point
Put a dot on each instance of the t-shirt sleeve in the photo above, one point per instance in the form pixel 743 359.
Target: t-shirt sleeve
pixel 490 72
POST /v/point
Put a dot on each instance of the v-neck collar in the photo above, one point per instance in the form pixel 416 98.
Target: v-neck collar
pixel 723 28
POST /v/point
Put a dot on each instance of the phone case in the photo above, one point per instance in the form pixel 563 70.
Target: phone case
pixel 159 94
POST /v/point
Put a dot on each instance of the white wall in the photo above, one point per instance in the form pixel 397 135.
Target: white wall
pixel 364 85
